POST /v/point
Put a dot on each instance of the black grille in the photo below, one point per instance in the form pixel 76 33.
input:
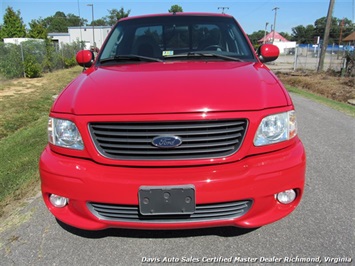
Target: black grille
pixel 200 139
pixel 207 212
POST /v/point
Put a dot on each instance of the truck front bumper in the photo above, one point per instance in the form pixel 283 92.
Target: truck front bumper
pixel 254 181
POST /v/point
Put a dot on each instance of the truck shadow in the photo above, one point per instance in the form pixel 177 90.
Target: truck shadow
pixel 132 233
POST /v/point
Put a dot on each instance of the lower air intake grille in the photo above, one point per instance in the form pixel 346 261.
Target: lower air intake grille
pixel 207 212
pixel 199 139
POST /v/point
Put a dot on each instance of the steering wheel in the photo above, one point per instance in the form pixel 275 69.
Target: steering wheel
pixel 214 47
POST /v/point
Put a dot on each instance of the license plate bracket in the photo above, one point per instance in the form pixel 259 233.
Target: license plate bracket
pixel 167 200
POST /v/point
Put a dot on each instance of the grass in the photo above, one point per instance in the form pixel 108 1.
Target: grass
pixel 342 107
pixel 19 155
pixel 19 110
pixel 23 133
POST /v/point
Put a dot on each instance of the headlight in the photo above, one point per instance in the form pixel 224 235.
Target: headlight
pixel 64 133
pixel 276 128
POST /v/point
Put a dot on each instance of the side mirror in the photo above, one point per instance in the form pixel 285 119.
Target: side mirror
pixel 268 52
pixel 85 58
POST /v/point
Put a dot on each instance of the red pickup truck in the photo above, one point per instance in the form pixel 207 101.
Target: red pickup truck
pixel 177 123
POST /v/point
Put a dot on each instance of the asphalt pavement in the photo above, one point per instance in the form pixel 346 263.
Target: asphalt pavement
pixel 320 231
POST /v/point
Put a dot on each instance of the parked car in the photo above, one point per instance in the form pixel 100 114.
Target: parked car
pixel 177 123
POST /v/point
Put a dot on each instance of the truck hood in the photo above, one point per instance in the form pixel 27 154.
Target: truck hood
pixel 171 87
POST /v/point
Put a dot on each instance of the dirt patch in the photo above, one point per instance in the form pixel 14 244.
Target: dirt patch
pixel 327 84
pixel 14 90
pixel 19 86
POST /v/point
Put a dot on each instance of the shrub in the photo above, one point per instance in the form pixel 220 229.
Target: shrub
pixel 350 63
pixel 33 57
pixel 69 62
pixel 32 68
pixel 11 65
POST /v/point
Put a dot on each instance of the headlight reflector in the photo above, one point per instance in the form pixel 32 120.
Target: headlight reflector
pixel 64 133
pixel 276 128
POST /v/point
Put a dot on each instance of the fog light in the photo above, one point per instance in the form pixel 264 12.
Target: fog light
pixel 286 197
pixel 58 201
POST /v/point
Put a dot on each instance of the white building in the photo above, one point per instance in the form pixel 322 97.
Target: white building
pixel 59 38
pixel 277 39
pixel 19 40
pixel 84 33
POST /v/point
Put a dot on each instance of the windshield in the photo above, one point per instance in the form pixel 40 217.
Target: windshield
pixel 176 37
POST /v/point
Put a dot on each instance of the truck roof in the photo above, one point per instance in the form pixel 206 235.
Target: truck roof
pixel 178 14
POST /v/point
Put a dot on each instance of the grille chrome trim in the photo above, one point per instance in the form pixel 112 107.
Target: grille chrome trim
pixel 206 212
pixel 200 139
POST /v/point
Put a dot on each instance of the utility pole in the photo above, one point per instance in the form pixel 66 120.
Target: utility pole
pixel 93 26
pixel 267 23
pixel 326 36
pixel 223 8
pixel 341 31
pixel 273 34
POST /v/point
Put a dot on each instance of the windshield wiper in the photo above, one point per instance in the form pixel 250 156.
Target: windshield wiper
pixel 214 55
pixel 203 54
pixel 130 57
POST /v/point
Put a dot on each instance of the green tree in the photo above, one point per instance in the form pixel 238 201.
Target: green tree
pixel 74 20
pixel 13 26
pixel 343 26
pixel 319 29
pixel 98 22
pixel 347 27
pixel 38 29
pixel 60 22
pixel 115 15
pixel 256 35
pixel 175 9
pixel 285 35
pixel 302 34
pixel 56 23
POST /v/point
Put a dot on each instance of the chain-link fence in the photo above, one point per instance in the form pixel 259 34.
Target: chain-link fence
pixel 307 58
pixel 31 58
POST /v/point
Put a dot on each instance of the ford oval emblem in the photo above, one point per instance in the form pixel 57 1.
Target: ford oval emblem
pixel 166 141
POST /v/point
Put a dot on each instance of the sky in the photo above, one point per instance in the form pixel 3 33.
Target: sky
pixel 252 15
